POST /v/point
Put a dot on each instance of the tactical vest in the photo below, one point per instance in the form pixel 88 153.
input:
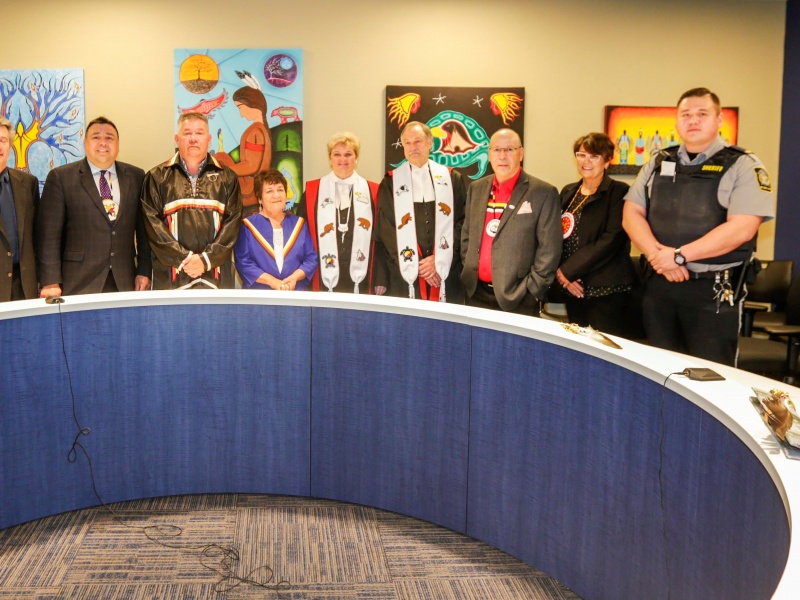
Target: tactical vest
pixel 685 207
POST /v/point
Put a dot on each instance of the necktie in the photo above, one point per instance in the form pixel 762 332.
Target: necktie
pixel 105 189
pixel 107 197
pixel 9 215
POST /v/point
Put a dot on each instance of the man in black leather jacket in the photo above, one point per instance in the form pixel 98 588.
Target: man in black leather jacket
pixel 192 208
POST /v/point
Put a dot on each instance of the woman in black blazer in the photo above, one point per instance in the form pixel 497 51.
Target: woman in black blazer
pixel 596 272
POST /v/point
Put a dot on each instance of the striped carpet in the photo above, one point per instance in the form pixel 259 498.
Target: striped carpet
pixel 228 545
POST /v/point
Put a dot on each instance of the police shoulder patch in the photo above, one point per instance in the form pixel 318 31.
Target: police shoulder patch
pixel 762 177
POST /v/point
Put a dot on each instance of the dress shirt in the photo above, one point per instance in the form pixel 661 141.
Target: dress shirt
pixel 111 177
pixel 422 184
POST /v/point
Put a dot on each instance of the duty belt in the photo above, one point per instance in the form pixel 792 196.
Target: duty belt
pixel 733 273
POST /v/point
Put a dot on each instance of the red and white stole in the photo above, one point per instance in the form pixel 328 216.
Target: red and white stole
pixel 327 230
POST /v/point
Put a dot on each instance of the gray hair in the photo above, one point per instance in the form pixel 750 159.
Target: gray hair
pixel 191 117
pixel 7 124
pixel 425 129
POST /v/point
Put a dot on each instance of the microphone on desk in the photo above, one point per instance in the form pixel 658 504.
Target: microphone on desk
pixel 702 374
pixel 54 300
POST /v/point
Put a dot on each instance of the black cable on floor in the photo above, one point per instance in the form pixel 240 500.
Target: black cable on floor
pixel 225 558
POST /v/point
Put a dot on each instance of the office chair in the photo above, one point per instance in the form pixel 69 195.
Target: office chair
pixel 776 356
pixel 771 287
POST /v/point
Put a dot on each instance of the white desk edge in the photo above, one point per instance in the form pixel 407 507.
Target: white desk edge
pixel 728 401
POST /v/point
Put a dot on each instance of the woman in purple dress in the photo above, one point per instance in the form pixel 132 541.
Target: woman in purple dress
pixel 274 249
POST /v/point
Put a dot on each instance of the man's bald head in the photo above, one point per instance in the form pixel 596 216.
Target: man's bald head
pixel 505 153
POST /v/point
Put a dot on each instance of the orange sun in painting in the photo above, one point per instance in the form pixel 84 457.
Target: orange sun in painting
pixel 199 73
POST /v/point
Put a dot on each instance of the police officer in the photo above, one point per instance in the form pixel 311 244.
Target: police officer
pixel 694 211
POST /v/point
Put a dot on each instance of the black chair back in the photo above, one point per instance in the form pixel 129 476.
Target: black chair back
pixel 772 283
pixel 793 303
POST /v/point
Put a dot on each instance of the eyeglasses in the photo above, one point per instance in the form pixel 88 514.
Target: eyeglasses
pixel 592 158
pixel 501 151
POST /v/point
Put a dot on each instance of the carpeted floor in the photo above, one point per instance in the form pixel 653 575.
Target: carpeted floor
pixel 320 549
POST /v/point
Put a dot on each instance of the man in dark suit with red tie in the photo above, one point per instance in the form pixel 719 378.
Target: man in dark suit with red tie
pixel 19 197
pixel 90 228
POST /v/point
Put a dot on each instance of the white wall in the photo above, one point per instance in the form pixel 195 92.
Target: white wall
pixel 573 57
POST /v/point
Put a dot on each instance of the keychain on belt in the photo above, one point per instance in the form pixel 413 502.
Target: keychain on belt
pixel 723 292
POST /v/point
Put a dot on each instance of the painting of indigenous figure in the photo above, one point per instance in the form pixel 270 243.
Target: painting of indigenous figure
pixel 461 119
pixel 639 132
pixel 254 103
pixel 46 108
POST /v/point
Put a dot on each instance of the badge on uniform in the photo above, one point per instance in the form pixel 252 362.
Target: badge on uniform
pixel 668 168
pixel 762 177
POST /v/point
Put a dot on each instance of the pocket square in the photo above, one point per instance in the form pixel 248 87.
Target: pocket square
pixel 525 209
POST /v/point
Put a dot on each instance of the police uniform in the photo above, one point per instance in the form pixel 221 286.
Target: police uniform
pixel 685 198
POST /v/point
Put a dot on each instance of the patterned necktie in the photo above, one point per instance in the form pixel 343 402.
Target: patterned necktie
pixel 105 189
pixel 107 197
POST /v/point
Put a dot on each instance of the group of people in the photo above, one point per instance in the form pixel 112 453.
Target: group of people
pixel 502 243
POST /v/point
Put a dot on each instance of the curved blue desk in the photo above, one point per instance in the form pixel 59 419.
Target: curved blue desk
pixel 572 456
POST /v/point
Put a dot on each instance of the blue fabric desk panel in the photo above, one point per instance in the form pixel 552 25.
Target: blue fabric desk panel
pixel 179 400
pixel 564 434
pixel 586 469
pixel 390 413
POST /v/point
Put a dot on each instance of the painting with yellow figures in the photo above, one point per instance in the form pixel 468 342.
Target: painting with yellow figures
pixel 47 111
pixel 639 132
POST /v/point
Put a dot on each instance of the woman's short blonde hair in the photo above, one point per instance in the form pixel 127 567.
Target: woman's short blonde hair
pixel 346 138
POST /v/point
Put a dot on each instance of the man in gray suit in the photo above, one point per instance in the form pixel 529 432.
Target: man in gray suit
pixel 90 226
pixel 19 198
pixel 511 240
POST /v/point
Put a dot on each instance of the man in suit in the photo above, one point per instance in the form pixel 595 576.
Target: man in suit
pixel 418 225
pixel 90 226
pixel 19 199
pixel 511 240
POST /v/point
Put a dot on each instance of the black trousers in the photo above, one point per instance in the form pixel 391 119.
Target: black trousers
pixel 683 317
pixel 606 313
pixel 484 298
pixel 110 285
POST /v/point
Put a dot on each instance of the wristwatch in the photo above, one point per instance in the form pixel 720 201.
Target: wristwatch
pixel 680 259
